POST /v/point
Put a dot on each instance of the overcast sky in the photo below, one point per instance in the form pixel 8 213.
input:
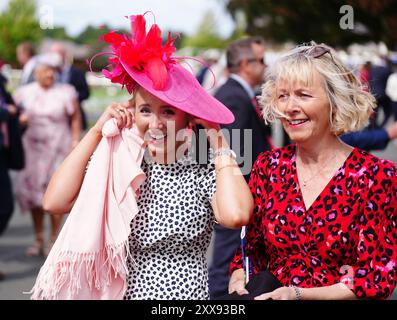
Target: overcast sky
pixel 176 15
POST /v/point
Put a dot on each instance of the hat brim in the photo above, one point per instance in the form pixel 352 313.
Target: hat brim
pixel 184 92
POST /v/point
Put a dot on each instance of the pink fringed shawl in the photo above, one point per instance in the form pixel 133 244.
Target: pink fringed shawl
pixel 89 258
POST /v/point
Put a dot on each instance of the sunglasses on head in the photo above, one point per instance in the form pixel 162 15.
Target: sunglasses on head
pixel 316 51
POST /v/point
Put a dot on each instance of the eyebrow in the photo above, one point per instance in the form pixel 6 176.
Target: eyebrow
pixel 148 105
pixel 298 89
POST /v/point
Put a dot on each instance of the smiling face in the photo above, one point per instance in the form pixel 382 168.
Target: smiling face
pixel 306 109
pixel 159 124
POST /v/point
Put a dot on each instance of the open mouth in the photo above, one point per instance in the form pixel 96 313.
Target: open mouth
pixel 297 122
pixel 157 138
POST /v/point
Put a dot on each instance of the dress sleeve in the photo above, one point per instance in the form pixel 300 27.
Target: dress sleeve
pixel 254 242
pixel 374 272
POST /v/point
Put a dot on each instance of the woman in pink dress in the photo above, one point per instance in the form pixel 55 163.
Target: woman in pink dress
pixel 53 129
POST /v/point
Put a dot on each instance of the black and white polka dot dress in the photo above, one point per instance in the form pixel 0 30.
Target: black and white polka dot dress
pixel 172 231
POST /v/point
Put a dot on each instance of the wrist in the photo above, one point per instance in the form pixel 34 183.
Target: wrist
pixel 95 131
pixel 237 275
pixel 297 292
pixel 221 152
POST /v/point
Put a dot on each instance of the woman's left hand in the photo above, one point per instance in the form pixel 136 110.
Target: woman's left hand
pixel 283 293
pixel 213 131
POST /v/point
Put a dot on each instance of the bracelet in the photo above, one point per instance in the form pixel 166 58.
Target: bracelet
pixel 226 166
pixel 298 292
pixel 224 152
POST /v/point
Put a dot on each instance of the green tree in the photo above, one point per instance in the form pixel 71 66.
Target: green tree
pixel 90 36
pixel 206 35
pixel 18 23
pixel 58 33
pixel 304 20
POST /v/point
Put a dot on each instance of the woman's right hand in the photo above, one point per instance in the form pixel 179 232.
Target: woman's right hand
pixel 237 282
pixel 122 112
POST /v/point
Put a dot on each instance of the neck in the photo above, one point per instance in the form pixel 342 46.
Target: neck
pixel 247 79
pixel 321 151
pixel 45 87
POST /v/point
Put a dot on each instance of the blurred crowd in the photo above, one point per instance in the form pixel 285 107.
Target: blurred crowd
pixel 41 122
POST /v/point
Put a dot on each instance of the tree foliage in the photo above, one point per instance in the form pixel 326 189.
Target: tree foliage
pixel 58 33
pixel 305 20
pixel 18 23
pixel 206 35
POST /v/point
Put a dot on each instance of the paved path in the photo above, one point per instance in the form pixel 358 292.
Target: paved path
pixel 21 271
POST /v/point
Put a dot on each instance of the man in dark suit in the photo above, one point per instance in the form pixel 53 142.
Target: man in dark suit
pixel 75 77
pixel 245 62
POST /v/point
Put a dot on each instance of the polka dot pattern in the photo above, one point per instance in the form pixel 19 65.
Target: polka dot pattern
pixel 172 231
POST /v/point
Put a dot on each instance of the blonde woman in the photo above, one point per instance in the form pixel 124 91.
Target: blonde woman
pixel 324 223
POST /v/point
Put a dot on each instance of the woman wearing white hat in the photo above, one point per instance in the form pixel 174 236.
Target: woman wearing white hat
pixel 52 119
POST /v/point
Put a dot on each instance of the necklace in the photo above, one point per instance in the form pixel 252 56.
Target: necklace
pixel 305 181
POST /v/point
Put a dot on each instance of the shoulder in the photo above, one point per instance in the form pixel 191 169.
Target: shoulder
pixel 27 88
pixel 231 88
pixel 76 72
pixel 365 158
pixel 375 169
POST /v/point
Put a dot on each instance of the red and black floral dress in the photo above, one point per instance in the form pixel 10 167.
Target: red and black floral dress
pixel 349 234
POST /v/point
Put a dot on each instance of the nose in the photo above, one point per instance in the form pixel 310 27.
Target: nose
pixel 155 122
pixel 291 105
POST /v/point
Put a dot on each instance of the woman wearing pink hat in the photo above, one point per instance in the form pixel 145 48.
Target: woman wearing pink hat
pixel 180 199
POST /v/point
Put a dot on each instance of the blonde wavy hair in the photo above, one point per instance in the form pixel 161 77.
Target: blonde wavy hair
pixel 350 105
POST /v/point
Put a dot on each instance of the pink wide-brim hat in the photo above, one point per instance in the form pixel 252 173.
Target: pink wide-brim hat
pixel 184 92
pixel 143 60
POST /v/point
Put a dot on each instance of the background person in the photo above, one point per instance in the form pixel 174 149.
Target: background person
pixel 27 59
pixel 75 77
pixel 51 114
pixel 246 64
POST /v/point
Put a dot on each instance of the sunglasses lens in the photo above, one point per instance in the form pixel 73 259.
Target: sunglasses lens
pixel 261 61
pixel 319 51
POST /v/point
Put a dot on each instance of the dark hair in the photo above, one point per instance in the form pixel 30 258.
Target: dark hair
pixel 240 50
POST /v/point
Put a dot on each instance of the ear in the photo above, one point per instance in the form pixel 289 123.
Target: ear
pixel 190 120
